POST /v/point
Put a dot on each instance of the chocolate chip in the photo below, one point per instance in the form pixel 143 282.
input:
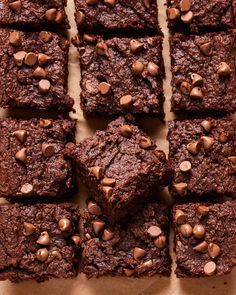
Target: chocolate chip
pixel 30 59
pixel 21 155
pixel 147 265
pixel 88 237
pixel 173 13
pixel 185 87
pixel 20 135
pixel 202 247
pixel 213 250
pixel 76 239
pixel 202 211
pixel 180 216
pixel 185 166
pixel 48 149
pixel 80 17
pixel 56 254
pixel 94 209
pixel 39 73
pixel 104 88
pixel 108 181
pixel 64 224
pixel 145 143
pixel 126 101
pixel 42 254
pixel 181 188
pixel 126 131
pixel 139 253
pixel 160 242
pixel 147 3
pixel 153 69
pixel 89 38
pixel 224 69
pixel 15 6
pixel 43 59
pixel 154 231
pixel 185 5
pixel 207 142
pixel 108 191
pixel 128 272
pixel 98 226
pixel 44 86
pixel 15 38
pixel 206 48
pixel 232 161
pixel 92 2
pixel 60 17
pixel 102 49
pixel 206 125
pixel 210 268
pixel 186 230
pixel 96 171
pixel 197 79
pixel 196 93
pixel 45 123
pixel 46 36
pixel 194 147
pixel 51 14
pixel 44 238
pixel 110 3
pixel 107 235
pixel 187 17
pixel 223 138
pixel 19 57
pixel 137 67
pixel 29 228
pixel 26 189
pixel 198 231
pixel 136 46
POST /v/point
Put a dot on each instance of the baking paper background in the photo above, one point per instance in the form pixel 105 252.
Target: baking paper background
pixel 121 285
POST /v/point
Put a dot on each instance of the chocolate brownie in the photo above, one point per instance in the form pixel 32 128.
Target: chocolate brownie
pixel 32 158
pixel 137 248
pixel 33 70
pixel 112 16
pixel 200 15
pixel 37 13
pixel 203 73
pixel 205 239
pixel 203 157
pixel 121 75
pixel 121 167
pixel 39 241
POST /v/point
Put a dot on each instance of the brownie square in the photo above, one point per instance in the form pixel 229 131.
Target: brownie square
pixel 203 73
pixel 203 157
pixel 122 75
pixel 121 167
pixel 137 248
pixel 111 16
pixel 37 13
pixel 200 15
pixel 32 158
pixel 39 241
pixel 33 70
pixel 205 239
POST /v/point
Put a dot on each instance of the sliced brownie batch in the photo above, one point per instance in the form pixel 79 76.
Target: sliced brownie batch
pixel 125 226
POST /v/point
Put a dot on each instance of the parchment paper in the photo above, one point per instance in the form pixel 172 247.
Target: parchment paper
pixel 120 285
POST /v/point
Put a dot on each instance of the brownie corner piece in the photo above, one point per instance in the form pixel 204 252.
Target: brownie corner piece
pixel 137 248
pixel 138 16
pixel 203 73
pixel 39 242
pixel 121 167
pixel 203 157
pixel 122 75
pixel 200 15
pixel 204 239
pixel 34 70
pixel 34 152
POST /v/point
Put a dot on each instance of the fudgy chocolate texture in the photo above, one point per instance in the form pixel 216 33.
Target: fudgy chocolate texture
pixel 39 242
pixel 200 15
pixel 33 70
pixel 117 16
pixel 203 157
pixel 205 239
pixel 37 13
pixel 121 167
pixel 33 161
pixel 122 75
pixel 203 73
pixel 138 248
